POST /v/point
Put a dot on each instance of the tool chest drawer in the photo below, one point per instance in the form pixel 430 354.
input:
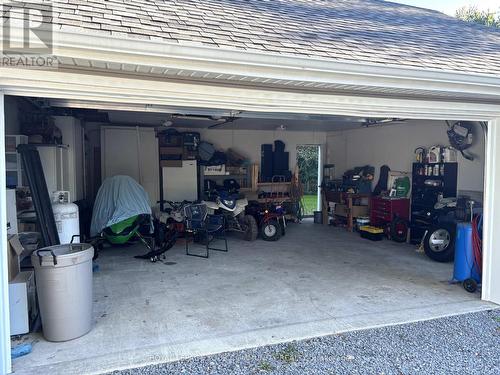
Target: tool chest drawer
pixel 384 210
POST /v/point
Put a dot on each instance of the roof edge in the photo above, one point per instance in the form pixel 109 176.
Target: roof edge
pixel 100 47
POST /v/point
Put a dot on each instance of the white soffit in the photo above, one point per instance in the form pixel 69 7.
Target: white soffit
pixel 148 94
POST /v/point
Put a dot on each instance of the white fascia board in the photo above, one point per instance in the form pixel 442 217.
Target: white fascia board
pixel 122 89
pixel 75 43
pixel 269 66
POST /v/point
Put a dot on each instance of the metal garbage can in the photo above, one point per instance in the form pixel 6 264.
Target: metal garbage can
pixel 318 217
pixel 64 285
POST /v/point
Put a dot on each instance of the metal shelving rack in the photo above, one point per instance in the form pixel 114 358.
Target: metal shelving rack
pixel 13 166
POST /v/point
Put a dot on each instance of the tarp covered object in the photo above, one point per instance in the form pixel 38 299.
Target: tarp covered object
pixel 118 198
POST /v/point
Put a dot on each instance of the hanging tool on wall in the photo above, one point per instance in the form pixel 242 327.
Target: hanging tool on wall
pixel 461 136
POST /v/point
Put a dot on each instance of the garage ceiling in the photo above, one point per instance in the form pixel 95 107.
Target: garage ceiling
pixel 212 119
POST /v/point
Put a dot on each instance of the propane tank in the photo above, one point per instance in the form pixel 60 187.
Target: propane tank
pixel 66 217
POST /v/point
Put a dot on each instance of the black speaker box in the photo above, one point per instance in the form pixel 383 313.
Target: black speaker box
pixel 266 162
pixel 280 163
pixel 279 146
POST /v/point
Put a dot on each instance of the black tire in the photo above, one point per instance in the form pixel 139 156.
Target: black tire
pixel 444 252
pixel 271 231
pixel 98 245
pixel 250 227
pixel 399 230
pixel 470 285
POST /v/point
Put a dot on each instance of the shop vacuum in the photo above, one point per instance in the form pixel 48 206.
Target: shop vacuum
pixel 468 254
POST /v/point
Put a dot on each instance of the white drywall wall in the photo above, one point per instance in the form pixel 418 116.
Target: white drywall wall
pixel 248 142
pixel 394 145
pixel 71 130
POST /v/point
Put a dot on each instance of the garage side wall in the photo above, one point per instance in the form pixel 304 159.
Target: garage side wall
pixel 394 145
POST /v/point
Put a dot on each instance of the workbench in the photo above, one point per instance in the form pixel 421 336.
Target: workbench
pixel 347 205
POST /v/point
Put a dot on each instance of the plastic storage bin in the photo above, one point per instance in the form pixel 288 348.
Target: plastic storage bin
pixel 371 233
pixel 64 285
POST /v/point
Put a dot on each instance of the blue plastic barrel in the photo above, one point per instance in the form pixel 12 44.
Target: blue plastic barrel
pixel 464 254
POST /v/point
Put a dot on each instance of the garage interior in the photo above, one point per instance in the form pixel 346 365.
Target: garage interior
pixel 315 280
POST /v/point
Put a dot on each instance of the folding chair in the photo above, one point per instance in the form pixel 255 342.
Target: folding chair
pixel 205 228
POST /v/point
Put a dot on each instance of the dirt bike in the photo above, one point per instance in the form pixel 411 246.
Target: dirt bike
pixel 235 217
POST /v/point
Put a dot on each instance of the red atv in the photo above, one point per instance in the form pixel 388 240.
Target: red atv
pixel 270 219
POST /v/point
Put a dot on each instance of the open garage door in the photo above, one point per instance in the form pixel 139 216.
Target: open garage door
pixel 246 135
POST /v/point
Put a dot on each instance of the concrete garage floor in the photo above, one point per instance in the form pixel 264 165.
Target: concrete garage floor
pixel 317 280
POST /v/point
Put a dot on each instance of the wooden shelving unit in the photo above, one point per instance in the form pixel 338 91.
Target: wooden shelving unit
pixel 274 184
pixel 274 200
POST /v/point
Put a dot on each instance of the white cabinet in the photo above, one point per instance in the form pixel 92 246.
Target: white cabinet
pixel 11 212
pixel 131 151
pixel 13 166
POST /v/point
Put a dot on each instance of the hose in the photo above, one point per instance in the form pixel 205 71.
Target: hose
pixel 477 243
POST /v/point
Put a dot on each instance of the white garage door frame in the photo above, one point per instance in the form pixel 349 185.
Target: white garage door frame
pixel 5 362
pixel 148 93
pixel 491 226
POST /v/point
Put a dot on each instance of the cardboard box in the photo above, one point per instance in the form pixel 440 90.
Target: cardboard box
pixel 189 154
pixel 171 150
pixel 171 163
pixel 27 227
pixel 341 210
pixel 14 250
pixel 215 170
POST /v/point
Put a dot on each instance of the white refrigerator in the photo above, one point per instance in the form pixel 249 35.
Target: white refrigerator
pixel 181 183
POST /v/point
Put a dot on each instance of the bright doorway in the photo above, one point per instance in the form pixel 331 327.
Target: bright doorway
pixel 309 164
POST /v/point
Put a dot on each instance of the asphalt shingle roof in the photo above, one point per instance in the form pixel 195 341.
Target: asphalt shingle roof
pixel 367 31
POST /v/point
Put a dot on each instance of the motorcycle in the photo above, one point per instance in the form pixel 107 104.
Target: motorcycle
pixel 233 210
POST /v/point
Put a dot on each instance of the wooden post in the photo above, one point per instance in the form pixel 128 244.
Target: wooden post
pixel 324 207
pixel 255 176
pixel 349 213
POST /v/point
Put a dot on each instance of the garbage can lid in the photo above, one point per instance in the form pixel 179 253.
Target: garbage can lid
pixel 62 255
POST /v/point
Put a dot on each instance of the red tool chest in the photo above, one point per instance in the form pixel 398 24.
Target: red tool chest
pixel 384 210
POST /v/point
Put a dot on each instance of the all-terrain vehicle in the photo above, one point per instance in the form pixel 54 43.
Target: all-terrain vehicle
pixel 233 209
pixel 270 220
